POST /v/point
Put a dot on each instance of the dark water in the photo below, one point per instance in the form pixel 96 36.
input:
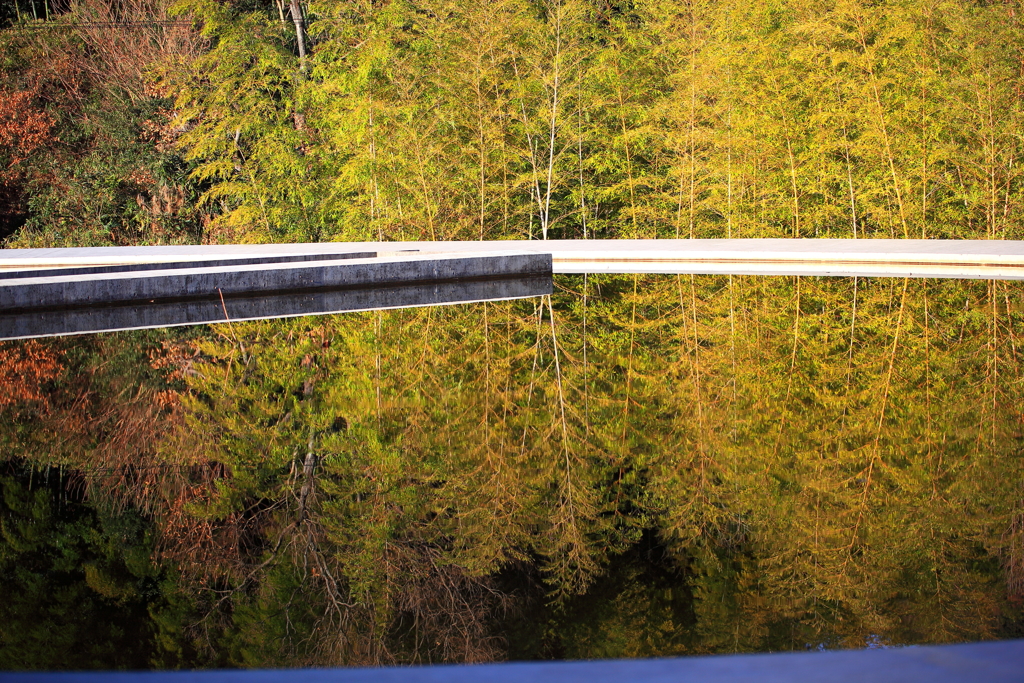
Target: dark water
pixel 635 466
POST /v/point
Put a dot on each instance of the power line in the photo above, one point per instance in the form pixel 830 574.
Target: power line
pixel 97 24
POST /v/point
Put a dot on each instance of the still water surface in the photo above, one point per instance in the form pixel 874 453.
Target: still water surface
pixel 634 466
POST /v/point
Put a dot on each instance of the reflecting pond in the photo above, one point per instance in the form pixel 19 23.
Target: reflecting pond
pixel 632 466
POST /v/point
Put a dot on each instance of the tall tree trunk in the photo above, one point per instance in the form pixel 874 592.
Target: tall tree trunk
pixel 300 34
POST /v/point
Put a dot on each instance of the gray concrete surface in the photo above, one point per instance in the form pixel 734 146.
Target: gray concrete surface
pixel 997 259
pixel 135 315
pixel 66 291
pixel 206 262
pixel 43 281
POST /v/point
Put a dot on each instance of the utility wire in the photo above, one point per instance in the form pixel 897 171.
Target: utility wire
pixel 51 25
pixel 127 468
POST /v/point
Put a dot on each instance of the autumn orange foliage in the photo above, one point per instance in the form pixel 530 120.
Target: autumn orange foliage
pixel 25 368
pixel 23 127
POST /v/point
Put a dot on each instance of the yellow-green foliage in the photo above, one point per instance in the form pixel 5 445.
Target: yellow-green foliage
pixel 831 460
pixel 567 118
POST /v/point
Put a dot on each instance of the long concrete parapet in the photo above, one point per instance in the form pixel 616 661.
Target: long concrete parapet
pixel 26 324
pixel 886 258
pixel 995 259
pixel 175 264
pixel 90 289
pixel 44 300
pixel 196 254
pixel 988 259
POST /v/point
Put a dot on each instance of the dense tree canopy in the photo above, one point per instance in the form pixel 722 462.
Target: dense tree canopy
pixel 433 119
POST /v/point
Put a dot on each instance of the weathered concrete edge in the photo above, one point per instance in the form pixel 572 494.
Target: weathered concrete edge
pixel 177 264
pixel 138 316
pixel 982 259
pixel 837 250
pixel 795 269
pixel 85 290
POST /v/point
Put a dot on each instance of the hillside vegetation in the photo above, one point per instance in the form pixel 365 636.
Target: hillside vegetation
pixel 431 119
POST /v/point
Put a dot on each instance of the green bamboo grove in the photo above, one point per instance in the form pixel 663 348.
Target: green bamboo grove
pixel 438 120
pixel 429 119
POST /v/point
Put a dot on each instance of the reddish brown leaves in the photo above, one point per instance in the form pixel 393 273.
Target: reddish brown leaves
pixel 23 126
pixel 25 368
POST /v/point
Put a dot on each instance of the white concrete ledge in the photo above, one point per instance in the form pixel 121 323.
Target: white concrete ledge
pixel 995 259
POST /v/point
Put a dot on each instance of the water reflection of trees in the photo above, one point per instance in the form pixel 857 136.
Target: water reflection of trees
pixel 811 461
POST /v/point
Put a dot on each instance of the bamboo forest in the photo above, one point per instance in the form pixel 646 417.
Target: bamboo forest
pixel 633 466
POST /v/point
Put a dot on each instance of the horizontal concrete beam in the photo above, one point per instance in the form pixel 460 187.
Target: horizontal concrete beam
pixel 206 262
pixel 40 279
pixel 66 291
pixel 884 258
pixel 106 256
pixel 42 300
pixel 996 259
pixel 136 315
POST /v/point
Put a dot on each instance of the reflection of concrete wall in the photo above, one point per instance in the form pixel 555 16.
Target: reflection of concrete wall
pixel 127 316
